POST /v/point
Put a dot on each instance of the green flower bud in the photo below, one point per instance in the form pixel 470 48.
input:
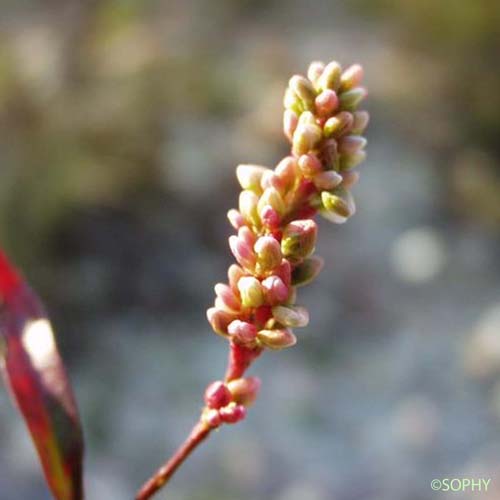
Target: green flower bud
pixel 303 88
pixel 314 71
pixel 294 316
pixel 277 339
pixel 338 205
pixel 248 202
pixel 361 119
pixel 299 239
pixel 251 292
pixel 292 101
pixel 352 160
pixel 306 138
pixel 351 77
pixel 350 99
pixel 330 78
pixel 338 125
pixel 305 272
pixel 249 176
pixel 271 197
pixel 268 252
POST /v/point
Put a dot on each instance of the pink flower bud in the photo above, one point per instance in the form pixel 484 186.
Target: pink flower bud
pixel 309 164
pixel 284 271
pixel 249 176
pixel 271 179
pixel 277 339
pixel 232 413
pixel 234 273
pixel 248 206
pixel 330 78
pixel 349 178
pixel 351 144
pixel 351 77
pixel 287 171
pixel 217 395
pixel 268 252
pixel 314 71
pixel 246 234
pixel 269 217
pixel 338 125
pixel 299 239
pixel 244 390
pixel 272 197
pixel 294 316
pixel 327 180
pixel 361 119
pixel 227 299
pixel 290 120
pixel 251 292
pixel 219 320
pixel 211 417
pixel 275 290
pixel 327 102
pixel 242 331
pixel 235 218
pixel 242 252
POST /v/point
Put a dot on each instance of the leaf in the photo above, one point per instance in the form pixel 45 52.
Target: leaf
pixel 36 377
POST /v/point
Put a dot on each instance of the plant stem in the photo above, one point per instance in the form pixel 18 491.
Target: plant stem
pixel 199 433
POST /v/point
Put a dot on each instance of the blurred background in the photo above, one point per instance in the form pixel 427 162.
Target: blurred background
pixel 121 123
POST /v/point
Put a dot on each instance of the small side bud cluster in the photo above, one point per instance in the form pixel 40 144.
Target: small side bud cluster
pixel 276 234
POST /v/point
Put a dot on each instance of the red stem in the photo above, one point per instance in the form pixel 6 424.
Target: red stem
pixel 199 433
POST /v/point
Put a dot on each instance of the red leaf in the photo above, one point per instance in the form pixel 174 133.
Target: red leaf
pixel 36 377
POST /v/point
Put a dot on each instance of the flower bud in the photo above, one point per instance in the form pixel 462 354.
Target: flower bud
pixel 350 99
pixel 251 292
pixel 327 180
pixel 246 234
pixel 272 197
pixel 232 413
pixel 338 205
pixel 287 170
pixel 304 89
pixel 338 125
pixel 330 78
pixel 330 155
pixel 305 138
pixel 309 164
pixel 272 179
pixel 327 102
pixel 299 239
pixel 268 252
pixel 277 339
pixel 248 206
pixel 275 290
pixel 351 77
pixel 361 119
pixel 227 299
pixel 249 176
pixel 350 178
pixel 242 331
pixel 290 121
pixel 294 316
pixel 306 271
pixel 234 273
pixel 351 144
pixel 235 218
pixel 314 71
pixel 292 102
pixel 269 217
pixel 352 160
pixel 307 118
pixel 242 252
pixel 244 390
pixel 217 395
pixel 211 417
pixel 219 320
pixel 284 271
